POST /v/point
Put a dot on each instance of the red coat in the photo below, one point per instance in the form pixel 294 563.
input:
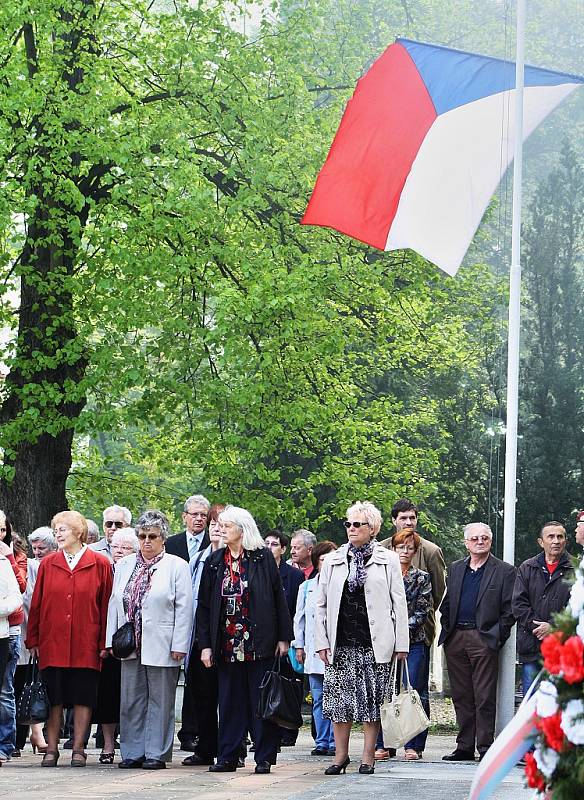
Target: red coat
pixel 68 611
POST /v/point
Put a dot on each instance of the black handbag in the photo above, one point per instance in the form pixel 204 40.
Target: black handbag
pixel 33 705
pixel 124 641
pixel 280 698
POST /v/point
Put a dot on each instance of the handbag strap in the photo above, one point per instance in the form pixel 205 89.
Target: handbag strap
pixel 406 674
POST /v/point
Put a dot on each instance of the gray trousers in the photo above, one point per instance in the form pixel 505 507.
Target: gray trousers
pixel 147 710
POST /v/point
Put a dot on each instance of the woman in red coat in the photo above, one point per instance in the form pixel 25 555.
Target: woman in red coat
pixel 66 628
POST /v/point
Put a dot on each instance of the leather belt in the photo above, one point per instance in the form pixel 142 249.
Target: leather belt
pixel 466 626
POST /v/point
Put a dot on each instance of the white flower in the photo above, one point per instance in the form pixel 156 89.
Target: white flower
pixel 546 699
pixel 547 760
pixel 577 597
pixel 573 721
pixel 580 627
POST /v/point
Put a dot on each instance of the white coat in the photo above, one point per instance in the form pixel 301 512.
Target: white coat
pixel 304 626
pixel 10 596
pixel 167 610
pixel 385 598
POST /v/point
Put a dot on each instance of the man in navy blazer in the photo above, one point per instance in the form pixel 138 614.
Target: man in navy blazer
pixel 291 577
pixel 477 618
pixel 193 540
pixel 195 537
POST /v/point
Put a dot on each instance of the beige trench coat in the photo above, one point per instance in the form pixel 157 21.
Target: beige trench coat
pixel 384 595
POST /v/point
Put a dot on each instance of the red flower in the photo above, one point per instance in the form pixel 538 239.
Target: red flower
pixel 551 650
pixel 535 779
pixel 572 660
pixel 552 730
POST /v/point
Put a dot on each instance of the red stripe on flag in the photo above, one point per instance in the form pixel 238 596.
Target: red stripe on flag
pixel 358 189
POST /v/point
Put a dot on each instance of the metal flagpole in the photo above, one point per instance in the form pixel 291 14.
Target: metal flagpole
pixel 506 686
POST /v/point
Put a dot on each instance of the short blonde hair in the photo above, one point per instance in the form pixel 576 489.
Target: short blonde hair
pixel 75 521
pixel 371 513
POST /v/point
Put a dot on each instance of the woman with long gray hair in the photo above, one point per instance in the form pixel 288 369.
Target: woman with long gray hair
pixel 152 591
pixel 242 623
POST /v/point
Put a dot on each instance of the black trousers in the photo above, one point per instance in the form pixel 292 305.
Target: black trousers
pixel 239 684
pixel 189 726
pixel 202 686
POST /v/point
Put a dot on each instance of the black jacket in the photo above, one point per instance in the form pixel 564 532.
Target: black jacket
pixel 177 545
pixel 268 610
pixel 494 617
pixel 538 595
pixel 291 580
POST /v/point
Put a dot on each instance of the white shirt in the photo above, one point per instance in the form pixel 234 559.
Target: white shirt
pixel 72 561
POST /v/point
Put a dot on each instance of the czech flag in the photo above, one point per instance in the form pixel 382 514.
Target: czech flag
pixel 422 146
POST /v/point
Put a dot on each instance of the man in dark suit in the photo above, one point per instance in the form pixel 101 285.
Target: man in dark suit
pixel 477 618
pixel 195 537
pixel 187 545
pixel 291 577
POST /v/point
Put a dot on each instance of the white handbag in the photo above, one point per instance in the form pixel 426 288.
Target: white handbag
pixel 402 715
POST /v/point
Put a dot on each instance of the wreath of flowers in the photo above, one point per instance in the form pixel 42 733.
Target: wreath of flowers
pixel 556 765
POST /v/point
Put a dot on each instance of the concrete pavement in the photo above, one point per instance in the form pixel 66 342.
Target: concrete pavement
pixel 297 775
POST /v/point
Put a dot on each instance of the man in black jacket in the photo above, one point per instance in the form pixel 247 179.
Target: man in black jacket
pixel 476 622
pixel 195 537
pixel 540 591
pixel 193 540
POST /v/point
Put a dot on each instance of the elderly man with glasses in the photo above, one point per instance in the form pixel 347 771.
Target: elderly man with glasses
pixel 476 622
pixel 114 518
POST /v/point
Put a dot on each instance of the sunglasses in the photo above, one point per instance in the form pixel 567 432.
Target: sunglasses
pixel 150 536
pixel 110 523
pixel 356 525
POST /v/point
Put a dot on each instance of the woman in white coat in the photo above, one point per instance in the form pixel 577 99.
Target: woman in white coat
pixel 152 589
pixel 361 624
pixel 306 652
pixel 10 601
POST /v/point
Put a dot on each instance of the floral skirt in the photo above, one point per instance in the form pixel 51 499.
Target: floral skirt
pixel 355 686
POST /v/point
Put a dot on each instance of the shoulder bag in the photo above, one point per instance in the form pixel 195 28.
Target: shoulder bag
pixel 402 715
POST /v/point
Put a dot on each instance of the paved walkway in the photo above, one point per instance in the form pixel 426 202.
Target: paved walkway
pixel 297 775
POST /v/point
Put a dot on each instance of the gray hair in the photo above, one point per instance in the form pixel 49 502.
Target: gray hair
pixel 371 513
pixel 477 526
pixel 196 499
pixel 252 538
pixel 127 514
pixel 92 527
pixel 126 535
pixel 308 537
pixel 153 519
pixel 44 534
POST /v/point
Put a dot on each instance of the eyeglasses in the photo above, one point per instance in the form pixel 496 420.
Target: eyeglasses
pixel 113 523
pixel 150 536
pixel 197 514
pixel 475 539
pixel 357 525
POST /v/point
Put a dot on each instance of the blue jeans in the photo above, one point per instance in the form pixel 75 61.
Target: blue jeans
pixel 419 669
pixel 325 738
pixel 529 672
pixel 7 701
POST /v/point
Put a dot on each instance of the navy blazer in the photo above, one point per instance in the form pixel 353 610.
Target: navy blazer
pixel 494 614
pixel 177 545
pixel 291 580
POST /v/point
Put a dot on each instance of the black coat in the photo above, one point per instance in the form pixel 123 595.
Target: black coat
pixel 291 580
pixel 494 617
pixel 268 610
pixel 177 545
pixel 538 595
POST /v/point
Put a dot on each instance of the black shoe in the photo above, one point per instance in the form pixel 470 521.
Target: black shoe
pixel 223 766
pixel 319 751
pixel 153 763
pixel 131 763
pixel 420 753
pixel 331 752
pixel 68 745
pixel 240 762
pixel 16 754
pixel 288 742
pixel 197 761
pixel 189 745
pixel 263 768
pixel 366 769
pixel 336 769
pixel 459 755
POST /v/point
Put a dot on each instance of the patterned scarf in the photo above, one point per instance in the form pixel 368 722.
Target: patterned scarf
pixel 136 590
pixel 357 572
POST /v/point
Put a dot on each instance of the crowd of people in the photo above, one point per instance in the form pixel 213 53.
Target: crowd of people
pixel 224 601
